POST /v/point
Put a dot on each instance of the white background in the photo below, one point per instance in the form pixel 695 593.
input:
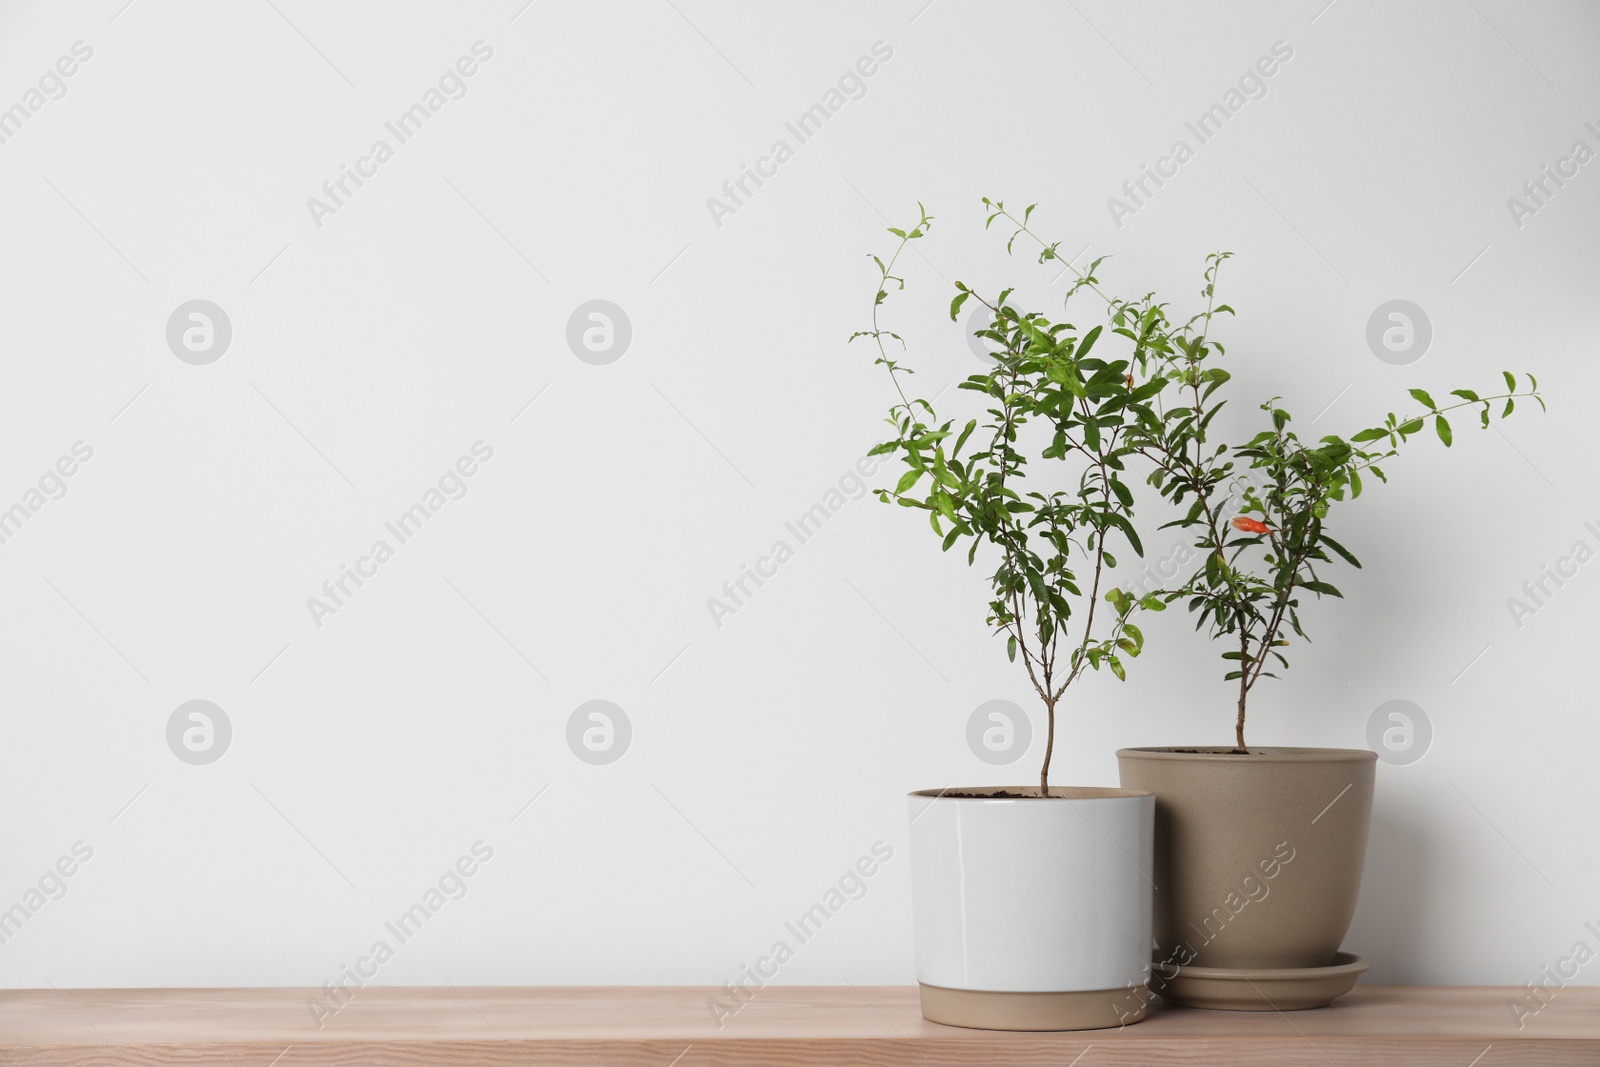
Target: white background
pixel 772 751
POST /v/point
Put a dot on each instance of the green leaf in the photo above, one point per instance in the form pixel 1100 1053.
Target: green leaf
pixel 1116 668
pixel 1215 377
pixel 1343 551
pixel 1421 396
pixel 955 305
pixel 972 424
pixel 1443 428
pixel 907 480
pixel 1127 531
pixel 1374 434
pixel 1323 588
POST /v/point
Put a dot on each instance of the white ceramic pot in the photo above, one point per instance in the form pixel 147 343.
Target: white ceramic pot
pixel 1032 913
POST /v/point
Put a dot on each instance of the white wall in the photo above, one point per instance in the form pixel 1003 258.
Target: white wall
pixel 768 754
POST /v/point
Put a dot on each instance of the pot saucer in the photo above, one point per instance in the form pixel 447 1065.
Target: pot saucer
pixel 1263 988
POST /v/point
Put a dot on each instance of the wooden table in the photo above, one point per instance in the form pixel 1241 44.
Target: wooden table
pixel 872 1026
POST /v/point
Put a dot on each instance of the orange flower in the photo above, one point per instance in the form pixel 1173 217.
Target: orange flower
pixel 1248 525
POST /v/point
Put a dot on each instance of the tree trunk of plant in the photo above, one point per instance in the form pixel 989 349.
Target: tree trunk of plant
pixel 1244 691
pixel 1049 747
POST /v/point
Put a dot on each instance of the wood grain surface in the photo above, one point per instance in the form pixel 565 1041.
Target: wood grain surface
pixel 871 1026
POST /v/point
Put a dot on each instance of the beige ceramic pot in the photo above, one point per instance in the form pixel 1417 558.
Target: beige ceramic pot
pixel 1258 856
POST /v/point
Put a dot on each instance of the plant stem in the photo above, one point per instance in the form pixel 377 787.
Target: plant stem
pixel 1244 691
pixel 877 331
pixel 1049 748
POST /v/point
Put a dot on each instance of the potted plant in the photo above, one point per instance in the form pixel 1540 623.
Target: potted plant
pixel 1031 903
pixel 1239 825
